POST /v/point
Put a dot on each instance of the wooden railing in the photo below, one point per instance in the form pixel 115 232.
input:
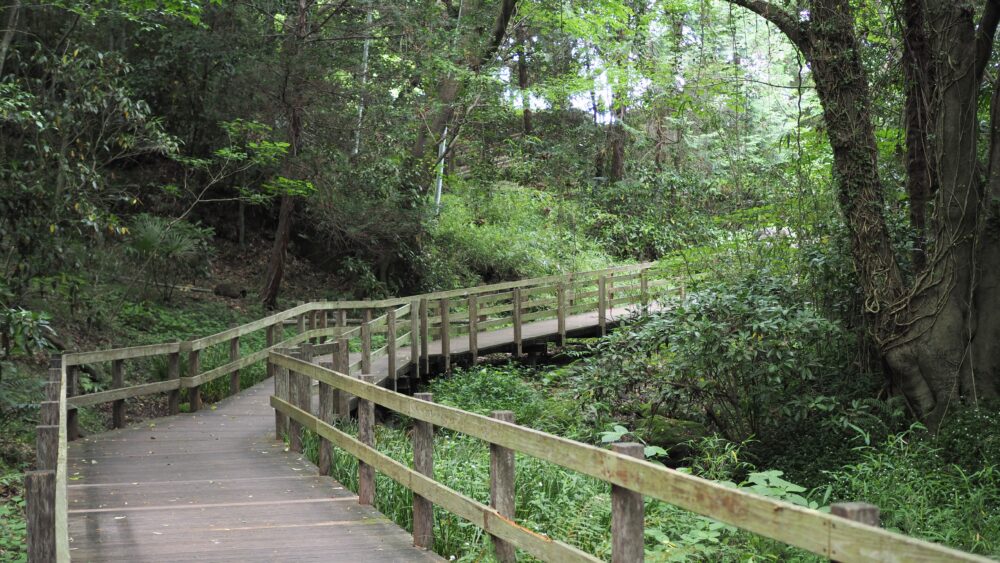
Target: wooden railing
pixel 46 507
pixel 631 478
pixel 405 322
pixel 323 328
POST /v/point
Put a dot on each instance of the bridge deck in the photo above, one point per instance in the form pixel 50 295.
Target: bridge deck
pixel 216 486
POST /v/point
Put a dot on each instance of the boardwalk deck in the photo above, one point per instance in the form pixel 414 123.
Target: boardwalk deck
pixel 216 486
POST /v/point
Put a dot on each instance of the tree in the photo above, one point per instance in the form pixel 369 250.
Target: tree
pixel 933 326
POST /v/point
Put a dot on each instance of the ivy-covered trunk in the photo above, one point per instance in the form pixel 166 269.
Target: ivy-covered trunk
pixel 934 328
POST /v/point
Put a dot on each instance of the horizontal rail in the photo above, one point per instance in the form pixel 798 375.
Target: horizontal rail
pixel 453 501
pixel 823 534
pixel 81 358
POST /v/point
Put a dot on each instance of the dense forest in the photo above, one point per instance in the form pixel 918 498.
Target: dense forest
pixel 823 176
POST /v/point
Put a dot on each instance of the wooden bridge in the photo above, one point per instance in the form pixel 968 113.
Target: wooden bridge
pixel 219 483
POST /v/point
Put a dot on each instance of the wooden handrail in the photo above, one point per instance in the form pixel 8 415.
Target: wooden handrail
pixel 502 296
pixel 827 535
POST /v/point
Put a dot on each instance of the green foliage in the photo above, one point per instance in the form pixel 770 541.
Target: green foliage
pixel 970 437
pixel 13 540
pixel 165 252
pixel 20 393
pixel 921 494
pixel 510 232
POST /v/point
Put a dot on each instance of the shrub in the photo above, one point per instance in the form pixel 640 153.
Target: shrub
pixel 167 251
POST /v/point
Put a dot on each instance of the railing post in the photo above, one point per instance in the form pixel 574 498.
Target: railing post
pixel 423 463
pixel 516 316
pixel 390 345
pixel 174 374
pixel 270 342
pixel 502 486
pixel 342 318
pixel 561 312
pixel 414 341
pixel 627 515
pixel 300 321
pixel 861 512
pixel 366 344
pixel 117 382
pixel 324 323
pixel 444 305
pixel 644 290
pixel 366 434
pixel 281 421
pixel 72 415
pixel 342 364
pixel 327 413
pixel 194 368
pixel 602 304
pixel 299 387
pixel 425 356
pixel 46 446
pixel 234 354
pixel 474 328
pixel 40 511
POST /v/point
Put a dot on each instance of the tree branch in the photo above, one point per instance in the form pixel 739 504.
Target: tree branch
pixel 984 37
pixel 783 20
pixel 507 10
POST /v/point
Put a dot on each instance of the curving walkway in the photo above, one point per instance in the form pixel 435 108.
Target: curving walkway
pixel 217 486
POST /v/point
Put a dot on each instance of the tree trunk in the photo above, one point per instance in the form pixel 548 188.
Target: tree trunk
pixel 938 334
pixel 918 77
pixel 448 93
pixel 522 77
pixel 276 266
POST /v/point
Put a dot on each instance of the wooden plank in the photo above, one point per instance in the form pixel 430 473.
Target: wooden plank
pixel 123 393
pixel 486 298
pixel 811 530
pixel 423 463
pixel 505 308
pixel 276 320
pixel 627 515
pixel 81 358
pixel 488 519
pixel 502 487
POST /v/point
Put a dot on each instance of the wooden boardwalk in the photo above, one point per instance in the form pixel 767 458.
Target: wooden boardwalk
pixel 216 486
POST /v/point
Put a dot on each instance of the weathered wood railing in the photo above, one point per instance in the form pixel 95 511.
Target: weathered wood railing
pixel 46 507
pixel 403 327
pixel 631 478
